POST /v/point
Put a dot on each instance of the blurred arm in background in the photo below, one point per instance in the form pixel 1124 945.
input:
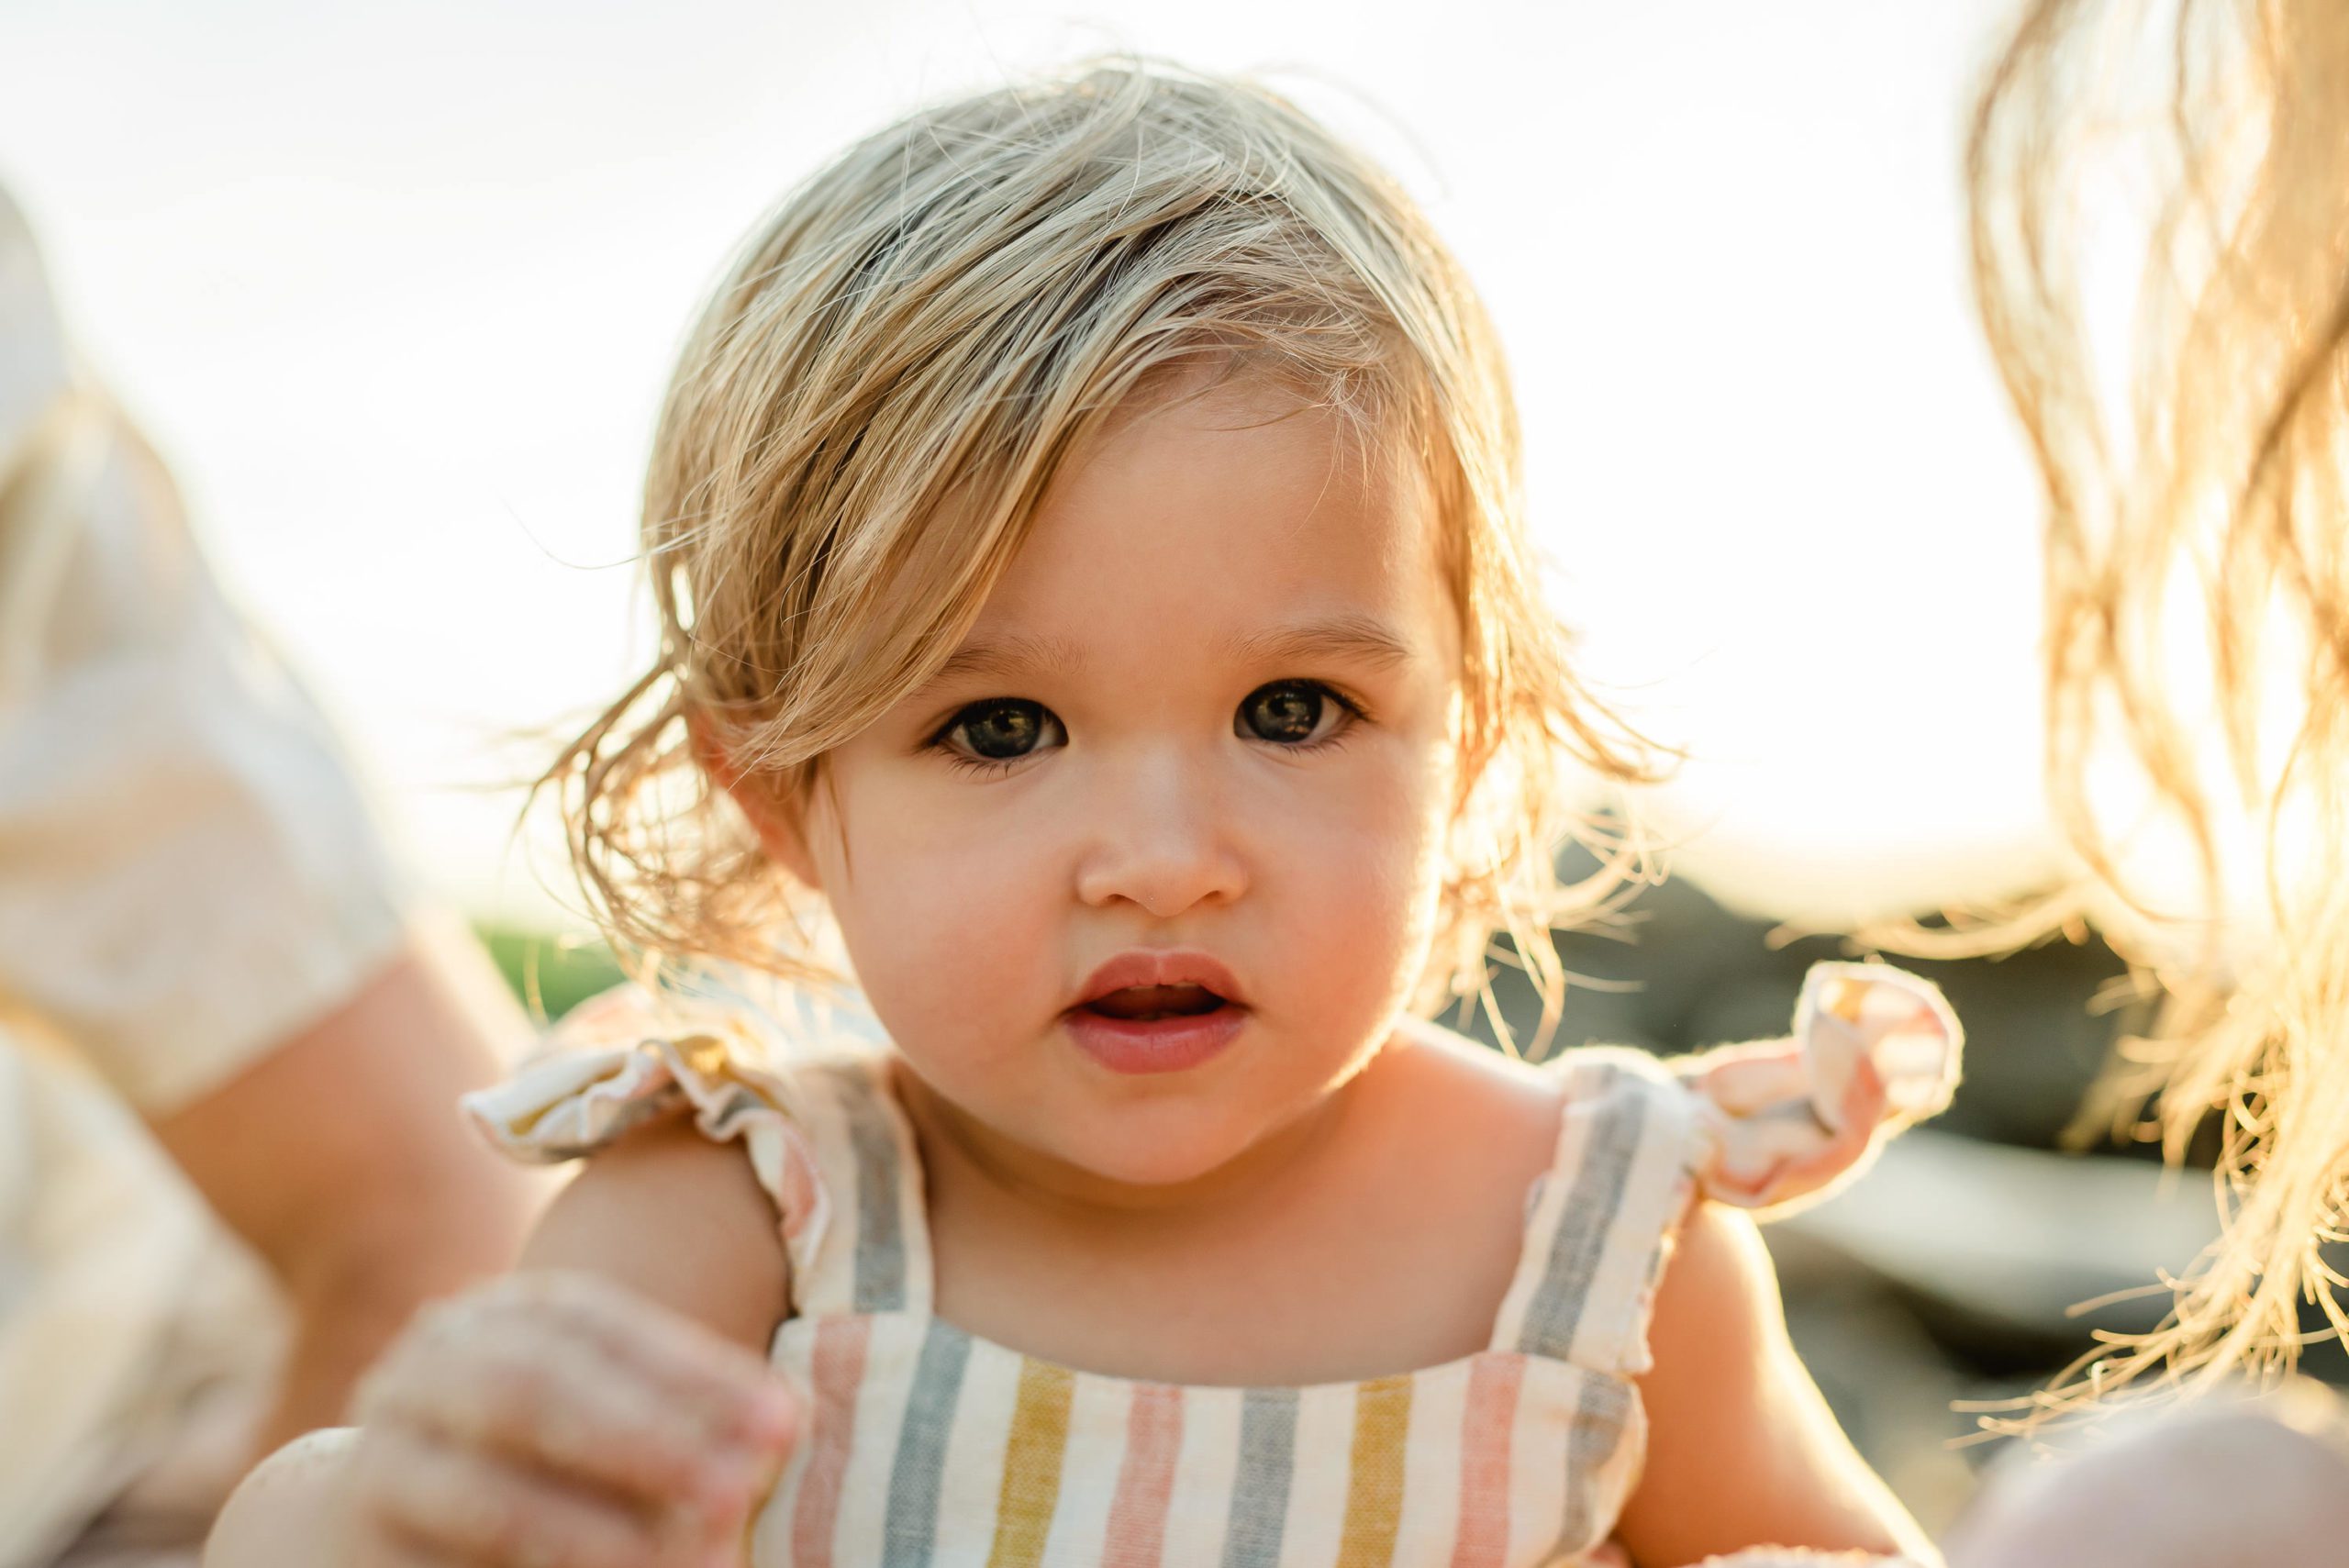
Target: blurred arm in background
pixel 338 1158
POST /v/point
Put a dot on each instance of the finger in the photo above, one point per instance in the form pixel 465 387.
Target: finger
pixel 425 1495
pixel 732 1392
pixel 540 1396
pixel 735 1391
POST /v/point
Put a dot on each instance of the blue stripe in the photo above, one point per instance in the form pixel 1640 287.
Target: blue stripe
pixel 1602 1415
pixel 1593 1204
pixel 1260 1488
pixel 909 1529
pixel 880 1227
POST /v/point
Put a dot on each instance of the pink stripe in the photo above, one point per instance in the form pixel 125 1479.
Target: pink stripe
pixel 1482 1538
pixel 1145 1478
pixel 836 1372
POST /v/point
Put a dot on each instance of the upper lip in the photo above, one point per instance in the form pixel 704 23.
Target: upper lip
pixel 1160 967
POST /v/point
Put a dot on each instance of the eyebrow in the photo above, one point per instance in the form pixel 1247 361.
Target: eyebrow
pixel 1352 639
pixel 1007 657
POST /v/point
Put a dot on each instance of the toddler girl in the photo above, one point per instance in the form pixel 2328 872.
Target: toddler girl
pixel 1085 530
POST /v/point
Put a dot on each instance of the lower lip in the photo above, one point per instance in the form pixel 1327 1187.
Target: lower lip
pixel 1156 1045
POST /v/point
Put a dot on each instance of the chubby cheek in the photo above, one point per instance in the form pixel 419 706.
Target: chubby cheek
pixel 1351 898
pixel 951 927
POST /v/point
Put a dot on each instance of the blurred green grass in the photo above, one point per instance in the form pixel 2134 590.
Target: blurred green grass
pixel 551 975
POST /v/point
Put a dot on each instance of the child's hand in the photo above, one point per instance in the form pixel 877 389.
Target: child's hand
pixel 553 1419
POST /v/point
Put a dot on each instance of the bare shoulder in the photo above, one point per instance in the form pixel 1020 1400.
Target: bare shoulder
pixel 679 1219
pixel 1487 1120
pixel 1456 1074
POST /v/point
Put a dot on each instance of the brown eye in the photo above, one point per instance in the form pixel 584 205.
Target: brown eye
pixel 1288 713
pixel 1002 729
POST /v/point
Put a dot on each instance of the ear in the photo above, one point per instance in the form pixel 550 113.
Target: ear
pixel 773 817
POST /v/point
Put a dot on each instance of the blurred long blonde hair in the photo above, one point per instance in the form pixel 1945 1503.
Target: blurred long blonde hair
pixel 871 406
pixel 2193 456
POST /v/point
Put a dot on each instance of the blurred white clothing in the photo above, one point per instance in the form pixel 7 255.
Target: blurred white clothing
pixel 188 875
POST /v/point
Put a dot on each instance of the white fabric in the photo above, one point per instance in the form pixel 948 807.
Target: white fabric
pixel 186 872
pixel 1899 1022
pixel 188 875
pixel 1773 1108
pixel 137 1340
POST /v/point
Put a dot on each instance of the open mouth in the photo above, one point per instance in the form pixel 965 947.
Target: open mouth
pixel 1149 1004
pixel 1156 1028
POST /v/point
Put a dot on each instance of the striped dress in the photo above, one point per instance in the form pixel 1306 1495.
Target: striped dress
pixel 924 1445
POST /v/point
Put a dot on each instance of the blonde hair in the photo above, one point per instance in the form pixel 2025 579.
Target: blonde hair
pixel 2216 480
pixel 874 400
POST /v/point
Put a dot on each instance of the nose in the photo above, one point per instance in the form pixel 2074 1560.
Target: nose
pixel 1161 842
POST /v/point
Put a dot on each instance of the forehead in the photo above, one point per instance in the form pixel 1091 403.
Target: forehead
pixel 1219 514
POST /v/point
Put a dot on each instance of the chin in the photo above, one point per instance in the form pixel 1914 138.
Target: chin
pixel 1147 1157
pixel 1153 1162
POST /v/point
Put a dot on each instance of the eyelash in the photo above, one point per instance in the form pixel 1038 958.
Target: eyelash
pixel 989 767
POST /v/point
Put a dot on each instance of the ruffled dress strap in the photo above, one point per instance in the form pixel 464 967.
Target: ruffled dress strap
pixel 814 1116
pixel 1599 1221
pixel 1639 1139
pixel 1869 1040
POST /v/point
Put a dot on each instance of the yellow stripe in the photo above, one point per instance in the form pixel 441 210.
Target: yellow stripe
pixel 1375 1479
pixel 1031 1465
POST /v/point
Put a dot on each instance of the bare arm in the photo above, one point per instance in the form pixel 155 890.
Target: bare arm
pixel 681 1225
pixel 680 1222
pixel 340 1157
pixel 1741 1450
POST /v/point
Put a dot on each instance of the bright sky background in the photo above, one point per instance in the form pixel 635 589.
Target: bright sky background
pixel 395 289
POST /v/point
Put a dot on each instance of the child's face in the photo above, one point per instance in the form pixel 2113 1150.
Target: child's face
pixel 1208 711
